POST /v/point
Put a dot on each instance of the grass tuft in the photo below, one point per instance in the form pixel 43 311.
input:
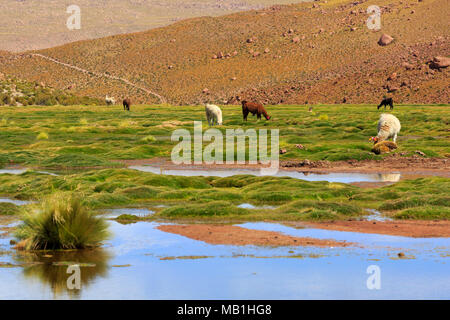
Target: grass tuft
pixel 61 222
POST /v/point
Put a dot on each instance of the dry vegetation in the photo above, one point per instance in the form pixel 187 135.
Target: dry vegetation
pixel 328 64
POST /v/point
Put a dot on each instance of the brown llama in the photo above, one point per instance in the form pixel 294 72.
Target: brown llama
pixel 126 104
pixel 253 108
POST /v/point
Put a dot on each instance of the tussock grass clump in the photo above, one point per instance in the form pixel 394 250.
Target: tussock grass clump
pixel 8 209
pixel 83 121
pixel 320 210
pixel 61 222
pixel 42 136
pixel 415 202
pixel 212 208
pixel 425 213
pixel 148 139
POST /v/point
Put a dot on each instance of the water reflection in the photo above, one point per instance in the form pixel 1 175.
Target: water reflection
pixel 347 177
pixel 50 268
pixel 389 177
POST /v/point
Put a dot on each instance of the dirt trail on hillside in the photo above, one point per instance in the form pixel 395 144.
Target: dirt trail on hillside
pixel 234 235
pixel 161 98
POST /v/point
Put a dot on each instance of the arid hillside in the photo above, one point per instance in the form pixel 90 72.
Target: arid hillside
pixel 37 24
pixel 320 52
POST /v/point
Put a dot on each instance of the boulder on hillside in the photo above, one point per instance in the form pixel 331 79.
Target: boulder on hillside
pixel 439 62
pixel 393 76
pixel 385 39
pixel 407 66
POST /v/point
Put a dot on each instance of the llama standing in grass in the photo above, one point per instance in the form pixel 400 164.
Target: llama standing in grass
pixel 213 114
pixel 126 104
pixel 388 127
pixel 253 108
pixel 386 102
pixel 110 100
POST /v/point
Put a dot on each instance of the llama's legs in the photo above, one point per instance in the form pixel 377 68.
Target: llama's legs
pixel 245 113
pixel 394 138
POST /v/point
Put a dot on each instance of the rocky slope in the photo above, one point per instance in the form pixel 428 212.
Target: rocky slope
pixel 319 52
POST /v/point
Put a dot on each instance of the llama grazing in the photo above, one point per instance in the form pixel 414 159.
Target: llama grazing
pixel 388 127
pixel 213 114
pixel 253 108
pixel 385 102
pixel 110 100
pixel 126 104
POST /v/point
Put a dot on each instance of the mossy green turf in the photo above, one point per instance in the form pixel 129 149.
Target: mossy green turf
pixel 215 198
pixel 95 136
pixel 80 137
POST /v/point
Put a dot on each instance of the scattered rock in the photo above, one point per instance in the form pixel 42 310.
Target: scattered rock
pixel 283 151
pixel 206 90
pixel 300 146
pixel 385 39
pixel 407 66
pixel 420 153
pixel 439 62
pixel 384 147
pixel 296 39
pixel 393 76
pixel 266 50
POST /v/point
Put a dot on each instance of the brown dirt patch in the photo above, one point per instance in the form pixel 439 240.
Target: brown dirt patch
pixel 409 228
pixel 413 167
pixel 234 235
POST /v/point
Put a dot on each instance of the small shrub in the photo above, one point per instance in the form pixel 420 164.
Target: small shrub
pixel 61 222
pixel 148 139
pixel 42 136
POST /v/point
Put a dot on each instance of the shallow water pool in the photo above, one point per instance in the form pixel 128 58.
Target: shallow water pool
pixel 142 262
pixel 331 177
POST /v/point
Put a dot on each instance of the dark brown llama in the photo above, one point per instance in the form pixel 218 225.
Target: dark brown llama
pixel 253 108
pixel 126 104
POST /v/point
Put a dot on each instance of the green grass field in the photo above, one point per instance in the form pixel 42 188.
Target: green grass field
pixel 77 136
pixel 92 137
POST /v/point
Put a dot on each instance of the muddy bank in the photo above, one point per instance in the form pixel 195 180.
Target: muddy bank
pixel 415 166
pixel 407 228
pixel 234 235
